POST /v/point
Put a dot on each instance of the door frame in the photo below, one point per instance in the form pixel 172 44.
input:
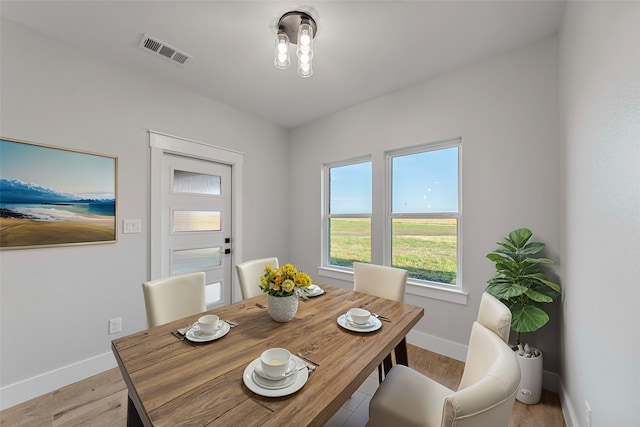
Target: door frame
pixel 162 143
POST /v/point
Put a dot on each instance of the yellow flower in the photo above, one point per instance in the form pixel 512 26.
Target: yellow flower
pixel 288 285
pixel 283 281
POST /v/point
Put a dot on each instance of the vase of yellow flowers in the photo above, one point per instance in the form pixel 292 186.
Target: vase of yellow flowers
pixel 283 286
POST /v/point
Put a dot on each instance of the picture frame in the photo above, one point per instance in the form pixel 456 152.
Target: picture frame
pixel 55 196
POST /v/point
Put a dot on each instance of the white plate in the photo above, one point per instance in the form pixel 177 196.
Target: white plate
pixel 300 380
pixel 370 323
pixel 195 336
pixel 272 384
pixel 314 291
pixel 373 324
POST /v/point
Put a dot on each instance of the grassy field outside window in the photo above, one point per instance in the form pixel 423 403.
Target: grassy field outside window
pixel 425 247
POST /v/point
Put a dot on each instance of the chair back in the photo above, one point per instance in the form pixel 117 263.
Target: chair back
pixel 494 315
pixel 172 298
pixel 249 274
pixel 381 281
pixel 489 383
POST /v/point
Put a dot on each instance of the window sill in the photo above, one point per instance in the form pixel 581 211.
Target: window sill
pixel 454 295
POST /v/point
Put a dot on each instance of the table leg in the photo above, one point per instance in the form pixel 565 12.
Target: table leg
pixel 388 364
pixel 133 419
pixel 402 357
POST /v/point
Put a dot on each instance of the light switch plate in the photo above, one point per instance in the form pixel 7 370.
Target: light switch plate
pixel 132 226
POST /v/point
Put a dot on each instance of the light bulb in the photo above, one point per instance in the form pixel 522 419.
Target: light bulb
pixel 305 42
pixel 282 51
pixel 305 69
pixel 304 58
pixel 305 39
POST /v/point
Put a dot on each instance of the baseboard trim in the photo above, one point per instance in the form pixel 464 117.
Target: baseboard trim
pixel 568 412
pixel 437 345
pixel 550 380
pixel 22 391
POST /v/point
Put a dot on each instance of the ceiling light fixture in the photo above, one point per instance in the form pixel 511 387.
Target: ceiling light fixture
pixel 297 28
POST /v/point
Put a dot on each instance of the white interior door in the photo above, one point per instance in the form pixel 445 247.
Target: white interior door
pixel 196 222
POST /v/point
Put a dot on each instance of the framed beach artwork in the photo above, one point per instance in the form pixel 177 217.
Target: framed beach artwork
pixel 53 196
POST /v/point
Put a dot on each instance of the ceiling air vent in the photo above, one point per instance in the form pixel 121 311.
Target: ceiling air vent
pixel 169 52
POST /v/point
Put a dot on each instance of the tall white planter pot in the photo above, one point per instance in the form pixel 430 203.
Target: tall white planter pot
pixel 530 388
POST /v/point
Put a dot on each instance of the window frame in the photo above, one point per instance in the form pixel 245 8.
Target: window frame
pixel 381 221
pixel 327 215
pixel 390 216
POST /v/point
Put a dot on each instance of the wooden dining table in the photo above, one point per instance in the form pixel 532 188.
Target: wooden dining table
pixel 178 382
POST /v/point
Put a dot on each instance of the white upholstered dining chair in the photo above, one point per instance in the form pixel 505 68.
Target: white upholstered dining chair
pixel 172 298
pixel 484 397
pixel 494 315
pixel 378 280
pixel 249 274
pixel 384 282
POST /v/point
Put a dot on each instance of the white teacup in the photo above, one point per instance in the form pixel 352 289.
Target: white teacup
pixel 207 324
pixel 359 316
pixel 275 362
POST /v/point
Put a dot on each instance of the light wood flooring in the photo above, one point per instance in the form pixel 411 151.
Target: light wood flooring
pixel 101 400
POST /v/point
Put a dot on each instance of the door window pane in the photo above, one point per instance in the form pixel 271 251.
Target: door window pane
pixel 213 293
pixel 196 221
pixel 195 183
pixel 196 259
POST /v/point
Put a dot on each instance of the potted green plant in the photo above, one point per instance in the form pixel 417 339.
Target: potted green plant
pixel 522 286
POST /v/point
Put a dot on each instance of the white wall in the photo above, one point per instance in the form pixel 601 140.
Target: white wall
pixel 505 109
pixel 600 110
pixel 55 94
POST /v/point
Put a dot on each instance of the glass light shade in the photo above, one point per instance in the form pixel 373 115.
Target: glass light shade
pixel 305 40
pixel 305 69
pixel 282 59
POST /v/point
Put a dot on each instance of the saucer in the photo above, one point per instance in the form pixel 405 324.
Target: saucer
pixel 263 388
pixel 373 324
pixel 263 381
pixel 292 367
pixel 196 327
pixel 315 291
pixel 369 324
pixel 196 336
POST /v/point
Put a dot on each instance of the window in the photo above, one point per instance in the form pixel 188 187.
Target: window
pixel 349 213
pixel 424 213
pixel 421 206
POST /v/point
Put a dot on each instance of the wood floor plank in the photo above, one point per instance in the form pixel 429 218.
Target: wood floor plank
pixel 100 397
pixel 35 412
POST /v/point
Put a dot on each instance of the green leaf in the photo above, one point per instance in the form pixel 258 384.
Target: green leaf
pixel 538 296
pixel 545 290
pixel 507 247
pixel 527 318
pixel 552 285
pixel 505 291
pixel 519 237
pixel 532 248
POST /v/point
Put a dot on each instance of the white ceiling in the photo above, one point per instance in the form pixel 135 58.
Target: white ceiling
pixel 363 49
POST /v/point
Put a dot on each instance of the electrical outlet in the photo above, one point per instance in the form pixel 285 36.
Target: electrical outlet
pixel 115 326
pixel 587 414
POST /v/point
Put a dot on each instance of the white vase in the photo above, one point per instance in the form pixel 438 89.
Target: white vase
pixel 282 309
pixel 530 389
